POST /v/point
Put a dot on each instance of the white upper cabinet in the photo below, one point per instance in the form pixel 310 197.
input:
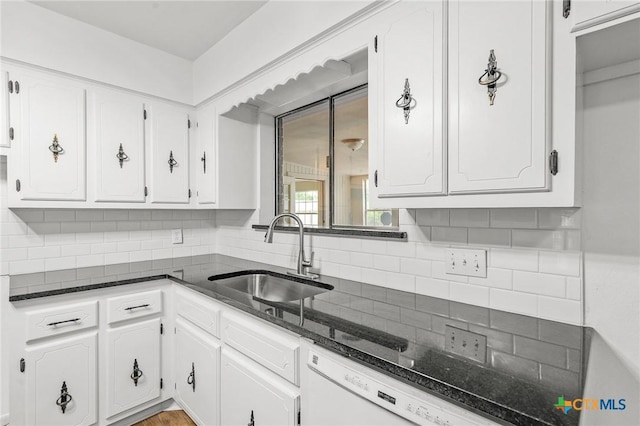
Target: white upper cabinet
pixel 587 13
pixel 6 131
pixel 205 156
pixel 116 143
pixel 47 116
pixel 406 91
pixel 168 134
pixel 498 96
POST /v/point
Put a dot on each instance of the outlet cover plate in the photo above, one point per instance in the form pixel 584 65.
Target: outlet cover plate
pixel 176 236
pixel 468 262
pixel 465 343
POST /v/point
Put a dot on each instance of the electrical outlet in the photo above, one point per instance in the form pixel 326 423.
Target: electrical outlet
pixel 176 236
pixel 468 262
pixel 465 343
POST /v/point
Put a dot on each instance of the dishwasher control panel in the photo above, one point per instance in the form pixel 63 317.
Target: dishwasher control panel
pixel 429 410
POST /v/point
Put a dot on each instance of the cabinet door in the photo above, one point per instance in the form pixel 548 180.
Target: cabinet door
pixel 197 367
pixel 251 394
pixel 5 132
pixel 587 13
pixel 408 58
pixel 206 165
pixel 500 147
pixel 169 160
pixel 132 351
pixel 47 114
pixel 116 144
pixel 61 366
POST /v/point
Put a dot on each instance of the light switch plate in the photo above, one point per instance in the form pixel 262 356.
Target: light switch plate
pixel 468 262
pixel 176 236
pixel 465 343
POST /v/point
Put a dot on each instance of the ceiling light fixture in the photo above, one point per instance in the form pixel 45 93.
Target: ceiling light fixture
pixel 353 144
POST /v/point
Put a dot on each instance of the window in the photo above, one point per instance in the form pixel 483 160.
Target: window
pixel 322 164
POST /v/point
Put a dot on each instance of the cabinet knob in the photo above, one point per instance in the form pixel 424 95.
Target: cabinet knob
pixel 171 162
pixel 137 373
pixel 492 76
pixel 64 399
pixel 56 148
pixel 406 101
pixel 121 156
pixel 191 380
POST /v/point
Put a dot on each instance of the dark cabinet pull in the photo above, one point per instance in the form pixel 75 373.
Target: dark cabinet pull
pixel 171 162
pixel 55 148
pixel 252 421
pixel 53 324
pixel 64 399
pixel 121 156
pixel 137 373
pixel 130 308
pixel 191 380
pixel 406 101
pixel 204 162
pixel 493 75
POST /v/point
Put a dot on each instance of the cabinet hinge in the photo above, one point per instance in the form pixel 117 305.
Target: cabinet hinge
pixel 161 383
pixel 375 44
pixel 16 86
pixel 10 86
pixel 161 328
pixel 298 417
pixel 566 8
pixel 188 124
pixel 553 162
pixel 11 133
pixel 22 365
pixel 375 178
pixel 189 193
pixel 17 185
pixel 144 114
pixel 146 191
pixel 175 386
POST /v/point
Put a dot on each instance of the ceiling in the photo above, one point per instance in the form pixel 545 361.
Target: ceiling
pixel 183 28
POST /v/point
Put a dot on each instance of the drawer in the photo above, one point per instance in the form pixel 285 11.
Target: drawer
pixel 264 344
pixel 199 310
pixel 131 306
pixel 61 320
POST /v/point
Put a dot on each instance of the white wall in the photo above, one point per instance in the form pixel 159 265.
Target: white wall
pixel 40 37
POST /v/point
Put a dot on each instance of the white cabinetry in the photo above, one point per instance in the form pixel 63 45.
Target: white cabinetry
pixel 115 124
pixel 47 117
pixel 498 145
pixel 168 132
pixel 252 395
pixel 205 156
pixel 407 70
pixel 197 368
pixel 588 13
pixel 5 131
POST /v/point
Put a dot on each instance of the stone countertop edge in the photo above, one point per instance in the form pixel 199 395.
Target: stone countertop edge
pixel 433 386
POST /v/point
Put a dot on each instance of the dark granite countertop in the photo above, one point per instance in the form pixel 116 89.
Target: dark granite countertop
pixel 529 364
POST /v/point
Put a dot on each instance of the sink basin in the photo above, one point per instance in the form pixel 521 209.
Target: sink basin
pixel 269 285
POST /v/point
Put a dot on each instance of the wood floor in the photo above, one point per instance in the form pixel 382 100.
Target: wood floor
pixel 168 418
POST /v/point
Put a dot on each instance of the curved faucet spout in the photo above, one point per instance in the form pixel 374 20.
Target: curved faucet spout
pixel 303 263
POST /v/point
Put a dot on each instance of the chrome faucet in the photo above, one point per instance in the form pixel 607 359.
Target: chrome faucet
pixel 303 264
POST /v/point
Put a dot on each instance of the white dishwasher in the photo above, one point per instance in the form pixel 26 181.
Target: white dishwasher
pixel 339 391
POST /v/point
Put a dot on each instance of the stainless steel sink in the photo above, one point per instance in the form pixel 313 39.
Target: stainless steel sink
pixel 270 286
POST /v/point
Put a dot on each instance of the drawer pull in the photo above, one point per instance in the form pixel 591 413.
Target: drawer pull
pixel 130 308
pixel 53 324
pixel 137 373
pixel 64 399
pixel 191 380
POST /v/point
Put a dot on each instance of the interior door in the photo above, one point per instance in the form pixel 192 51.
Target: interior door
pixel 133 365
pixel 116 143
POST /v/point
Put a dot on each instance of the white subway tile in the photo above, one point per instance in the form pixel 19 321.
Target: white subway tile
pixel 406 217
pixel 496 278
pixel 432 217
pixel 449 235
pixel 11 255
pixel 351 244
pixel 328 268
pixel 537 283
pixel 521 260
pixel 512 301
pixel 372 276
pixel 349 272
pixel 363 260
pixel 469 218
pixel 402 282
pixel 140 235
pixel 129 246
pixel 432 287
pixel 417 234
pixel 28 215
pixel 161 253
pixel 44 252
pixel 89 215
pixel 113 258
pixel 338 256
pixel 139 256
pixel 182 214
pixel 401 249
pixel 541 239
pixel 116 215
pixel 103 226
pixel 152 244
pixel 490 237
pixel 181 251
pixel 573 240
pixel 374 246
pixel 569 311
pixel 90 238
pixel 75 227
pixel 514 218
pixel 59 215
pixel 438 270
pixel 76 250
pixel 114 237
pixel 129 226
pixel 555 218
pixel 386 263
pixel 198 250
pixel 151 225
pixel 102 248
pixel 90 260
pixel 41 228
pixel 58 263
pixel 415 267
pixel 466 293
pixel 13 228
pixel 574 288
pixel 19 241
pixel 26 266
pixel 562 263
pixel 140 215
pixel 430 252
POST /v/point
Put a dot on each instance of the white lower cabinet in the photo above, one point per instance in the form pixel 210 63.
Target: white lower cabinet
pixel 133 365
pixel 252 395
pixel 60 382
pixel 197 369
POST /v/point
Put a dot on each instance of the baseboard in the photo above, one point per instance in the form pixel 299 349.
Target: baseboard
pixel 144 414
